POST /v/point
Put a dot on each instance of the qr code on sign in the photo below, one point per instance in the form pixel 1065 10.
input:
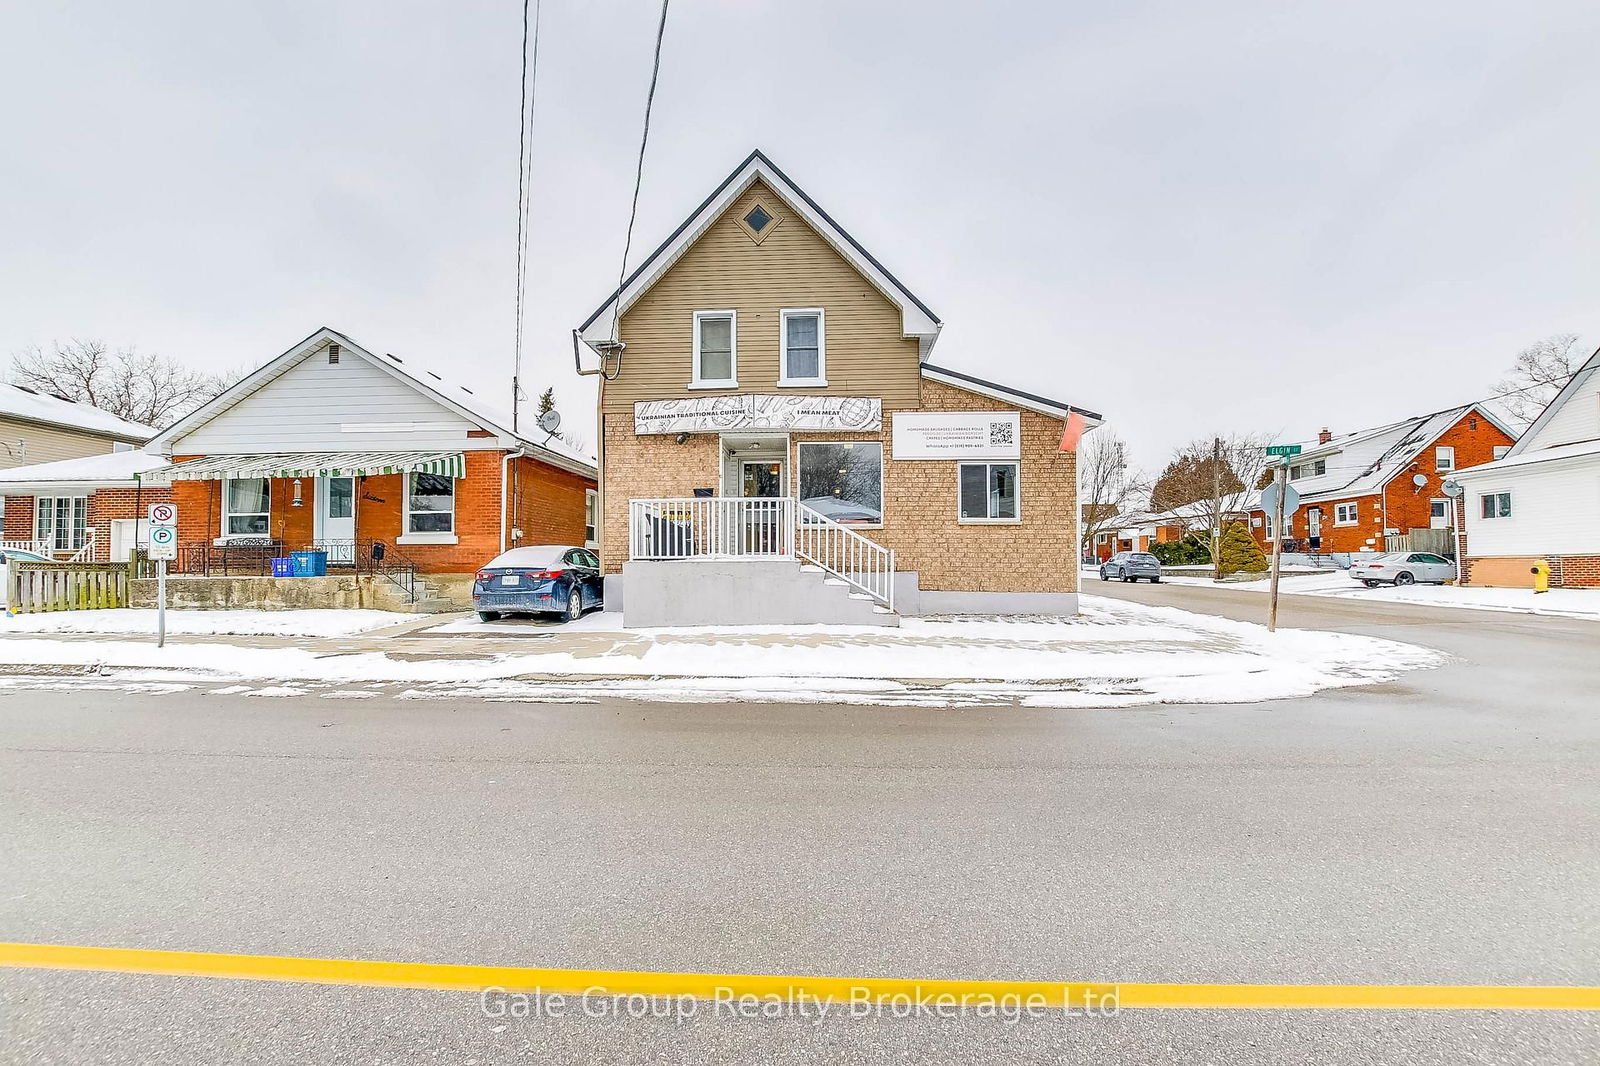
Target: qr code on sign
pixel 999 434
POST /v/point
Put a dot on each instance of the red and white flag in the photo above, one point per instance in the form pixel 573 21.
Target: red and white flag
pixel 1075 427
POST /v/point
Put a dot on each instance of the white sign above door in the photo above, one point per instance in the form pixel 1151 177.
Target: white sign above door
pixel 753 411
pixel 957 435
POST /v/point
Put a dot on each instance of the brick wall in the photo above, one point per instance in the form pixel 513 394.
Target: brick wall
pixel 549 502
pixel 1037 554
pixel 1501 571
pixel 19 518
pixel 104 507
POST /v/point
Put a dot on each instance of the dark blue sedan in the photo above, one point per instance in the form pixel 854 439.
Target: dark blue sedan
pixel 540 579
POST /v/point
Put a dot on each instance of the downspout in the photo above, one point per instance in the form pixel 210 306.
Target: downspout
pixel 599 447
pixel 519 452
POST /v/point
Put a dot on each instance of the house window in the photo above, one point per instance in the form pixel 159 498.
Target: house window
pixel 1500 450
pixel 988 491
pixel 716 340
pixel 1346 514
pixel 60 522
pixel 1495 505
pixel 803 356
pixel 1444 458
pixel 843 481
pixel 431 504
pixel 121 446
pixel 246 506
pixel 591 506
pixel 1313 469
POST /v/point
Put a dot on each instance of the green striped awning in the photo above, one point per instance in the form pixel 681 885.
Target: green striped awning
pixel 313 464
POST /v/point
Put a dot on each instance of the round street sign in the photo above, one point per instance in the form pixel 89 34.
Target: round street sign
pixel 1269 499
pixel 163 514
pixel 163 535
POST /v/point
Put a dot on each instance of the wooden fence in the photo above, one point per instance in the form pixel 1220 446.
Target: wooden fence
pixel 1437 541
pixel 35 587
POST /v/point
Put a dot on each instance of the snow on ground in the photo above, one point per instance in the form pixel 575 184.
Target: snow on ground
pixel 138 621
pixel 1115 654
pixel 1569 603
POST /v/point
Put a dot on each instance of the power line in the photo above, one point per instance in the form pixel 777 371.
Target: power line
pixel 638 176
pixel 529 97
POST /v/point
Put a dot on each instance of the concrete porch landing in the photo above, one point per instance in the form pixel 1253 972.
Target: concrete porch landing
pixel 740 592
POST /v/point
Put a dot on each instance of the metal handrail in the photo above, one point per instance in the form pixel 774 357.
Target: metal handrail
pixel 859 561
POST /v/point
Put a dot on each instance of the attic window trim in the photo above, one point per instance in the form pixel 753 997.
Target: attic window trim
pixel 774 220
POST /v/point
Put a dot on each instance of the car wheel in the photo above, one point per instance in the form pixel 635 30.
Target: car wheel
pixel 1404 578
pixel 1103 575
pixel 574 607
pixel 1371 584
pixel 1155 581
pixel 488 616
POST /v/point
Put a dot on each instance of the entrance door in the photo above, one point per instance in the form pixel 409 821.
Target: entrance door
pixel 762 479
pixel 1314 527
pixel 1439 513
pixel 336 518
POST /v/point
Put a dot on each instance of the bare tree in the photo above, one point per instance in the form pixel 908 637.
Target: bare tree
pixel 142 387
pixel 1107 484
pixel 1536 376
pixel 1208 482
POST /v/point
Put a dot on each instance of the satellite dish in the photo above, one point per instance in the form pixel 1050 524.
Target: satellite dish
pixel 1418 480
pixel 1451 488
pixel 550 421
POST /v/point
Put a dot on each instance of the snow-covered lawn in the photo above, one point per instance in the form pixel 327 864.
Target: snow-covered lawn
pixel 1571 603
pixel 137 621
pixel 1115 654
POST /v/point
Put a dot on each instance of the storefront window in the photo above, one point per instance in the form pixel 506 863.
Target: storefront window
pixel 431 504
pixel 988 492
pixel 246 502
pixel 843 481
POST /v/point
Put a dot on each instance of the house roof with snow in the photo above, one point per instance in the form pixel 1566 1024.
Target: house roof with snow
pixel 459 400
pixel 41 408
pixel 85 474
pixel 1567 429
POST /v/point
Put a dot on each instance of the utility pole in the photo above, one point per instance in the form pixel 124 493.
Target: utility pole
pixel 1282 479
pixel 1216 508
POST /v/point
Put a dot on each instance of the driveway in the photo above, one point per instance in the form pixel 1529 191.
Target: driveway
pixel 1440 829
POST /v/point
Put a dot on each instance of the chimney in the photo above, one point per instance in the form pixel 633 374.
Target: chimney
pixel 1325 436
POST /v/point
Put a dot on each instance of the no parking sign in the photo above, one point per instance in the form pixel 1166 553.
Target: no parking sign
pixel 163 531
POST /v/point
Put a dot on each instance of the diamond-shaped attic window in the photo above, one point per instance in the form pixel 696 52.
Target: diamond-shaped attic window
pixel 757 219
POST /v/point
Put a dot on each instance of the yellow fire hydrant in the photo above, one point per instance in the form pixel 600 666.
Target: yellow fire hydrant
pixel 1541 576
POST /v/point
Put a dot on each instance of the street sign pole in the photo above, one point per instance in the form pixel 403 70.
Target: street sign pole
pixel 163 546
pixel 1277 544
pixel 161 604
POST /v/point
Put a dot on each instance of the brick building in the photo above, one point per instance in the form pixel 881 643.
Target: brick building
pixel 777 446
pixel 331 447
pixel 1357 488
pixel 85 509
pixel 1539 505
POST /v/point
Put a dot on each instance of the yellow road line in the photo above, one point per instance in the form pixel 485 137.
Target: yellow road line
pixel 776 988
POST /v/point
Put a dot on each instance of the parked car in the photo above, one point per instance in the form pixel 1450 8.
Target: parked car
pixel 1401 568
pixel 543 578
pixel 19 555
pixel 1131 566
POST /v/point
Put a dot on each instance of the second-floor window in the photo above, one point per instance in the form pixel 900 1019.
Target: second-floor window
pixel 716 338
pixel 802 356
pixel 1444 458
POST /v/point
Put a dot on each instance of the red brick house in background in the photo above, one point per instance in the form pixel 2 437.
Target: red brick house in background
pixel 332 447
pixel 1356 488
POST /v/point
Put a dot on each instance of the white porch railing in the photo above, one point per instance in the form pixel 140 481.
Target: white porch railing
pixel 712 527
pixel 45 546
pixel 732 527
pixel 85 554
pixel 862 563
pixel 25 544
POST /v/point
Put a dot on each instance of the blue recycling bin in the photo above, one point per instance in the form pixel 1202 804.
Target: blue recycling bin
pixel 283 567
pixel 310 564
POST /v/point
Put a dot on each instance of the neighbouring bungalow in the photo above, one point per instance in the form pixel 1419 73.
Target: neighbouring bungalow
pixel 1135 531
pixel 1358 489
pixel 777 446
pixel 1539 505
pixel 72 448
pixel 332 448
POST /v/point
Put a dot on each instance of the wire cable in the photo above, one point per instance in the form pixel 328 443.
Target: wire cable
pixel 638 176
pixel 529 98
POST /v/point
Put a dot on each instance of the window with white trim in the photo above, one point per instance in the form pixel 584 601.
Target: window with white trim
pixel 1315 468
pixel 1495 505
pixel 988 492
pixel 246 506
pixel 1346 514
pixel 591 509
pixel 842 481
pixel 1500 450
pixel 61 522
pixel 803 347
pixel 716 350
pixel 1444 458
pixel 430 503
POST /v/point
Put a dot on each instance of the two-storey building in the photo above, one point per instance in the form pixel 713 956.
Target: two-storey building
pixel 777 446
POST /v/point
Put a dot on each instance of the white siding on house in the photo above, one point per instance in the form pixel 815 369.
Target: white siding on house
pixel 1555 510
pixel 1578 419
pixel 350 405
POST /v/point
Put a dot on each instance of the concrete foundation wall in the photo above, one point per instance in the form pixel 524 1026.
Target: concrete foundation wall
pixel 262 593
pixel 739 593
pixel 1051 603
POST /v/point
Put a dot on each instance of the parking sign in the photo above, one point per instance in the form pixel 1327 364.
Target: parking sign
pixel 163 543
pixel 163 514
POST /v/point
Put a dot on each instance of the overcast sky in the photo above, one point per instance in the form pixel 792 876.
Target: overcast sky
pixel 1190 217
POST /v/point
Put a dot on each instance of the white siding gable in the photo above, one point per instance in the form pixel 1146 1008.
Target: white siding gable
pixel 350 405
pixel 1577 419
pixel 1555 510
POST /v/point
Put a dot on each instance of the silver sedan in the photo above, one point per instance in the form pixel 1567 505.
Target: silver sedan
pixel 1401 568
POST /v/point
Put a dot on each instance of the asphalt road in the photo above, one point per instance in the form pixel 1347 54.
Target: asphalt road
pixel 1440 829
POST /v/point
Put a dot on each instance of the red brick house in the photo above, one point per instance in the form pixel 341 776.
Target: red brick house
pixel 332 447
pixel 81 508
pixel 1359 487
